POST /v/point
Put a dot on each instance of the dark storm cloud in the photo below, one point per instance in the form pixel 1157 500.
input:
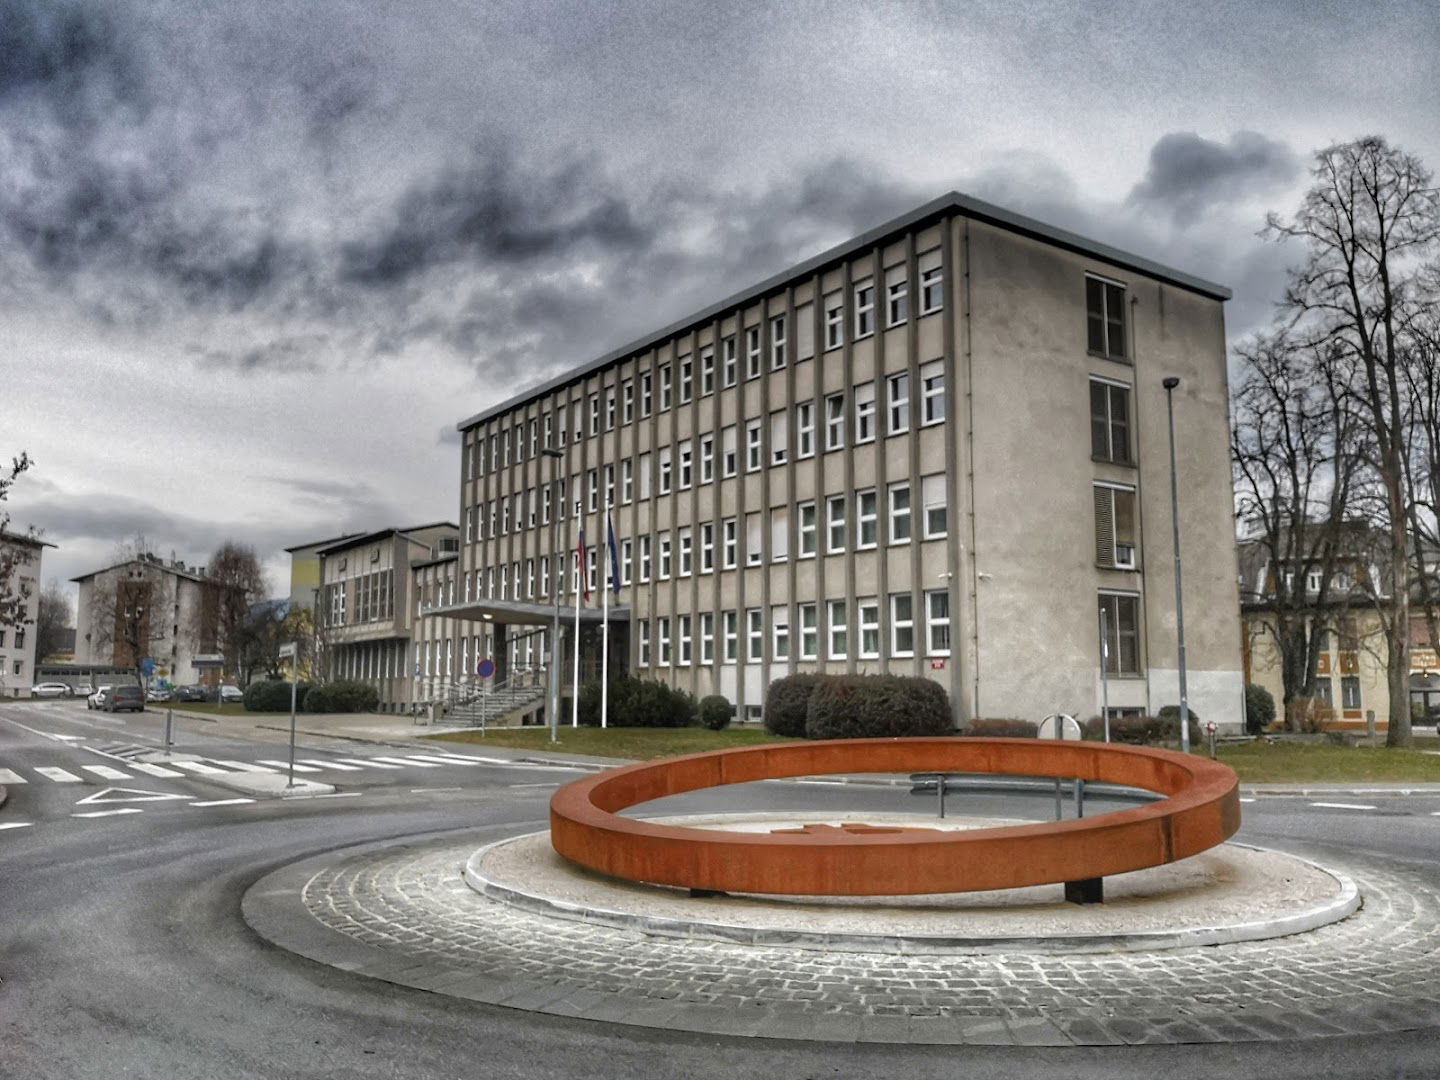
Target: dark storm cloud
pixel 1187 173
pixel 58 49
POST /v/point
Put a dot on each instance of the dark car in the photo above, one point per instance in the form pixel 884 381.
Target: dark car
pixel 123 699
pixel 190 693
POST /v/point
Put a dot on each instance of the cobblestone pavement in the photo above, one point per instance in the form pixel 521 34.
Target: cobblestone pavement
pixel 402 912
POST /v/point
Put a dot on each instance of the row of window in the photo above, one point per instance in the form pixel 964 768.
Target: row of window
pixel 668 385
pixel 714 637
pixel 19 637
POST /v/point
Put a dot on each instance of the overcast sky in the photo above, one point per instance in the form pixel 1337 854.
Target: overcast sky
pixel 257 259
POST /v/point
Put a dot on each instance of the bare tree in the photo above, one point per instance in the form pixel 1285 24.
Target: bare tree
pixel 242 630
pixel 127 611
pixel 53 617
pixel 14 590
pixel 1368 221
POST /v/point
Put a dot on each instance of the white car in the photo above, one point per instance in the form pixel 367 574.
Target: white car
pixel 93 701
pixel 51 689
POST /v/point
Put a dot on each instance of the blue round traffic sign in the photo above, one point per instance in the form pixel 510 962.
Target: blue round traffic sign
pixel 485 669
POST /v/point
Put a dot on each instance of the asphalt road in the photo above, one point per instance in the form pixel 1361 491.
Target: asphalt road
pixel 123 953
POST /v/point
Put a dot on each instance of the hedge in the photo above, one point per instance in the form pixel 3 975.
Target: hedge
pixel 1141 730
pixel 273 695
pixel 342 696
pixel 637 703
pixel 1002 729
pixel 787 702
pixel 876 707
pixel 715 712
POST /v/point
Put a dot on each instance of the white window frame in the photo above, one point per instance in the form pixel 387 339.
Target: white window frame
pixel 780 633
pixel 707 371
pixel 807 543
pixel 805 429
pixel 868 609
pixel 837 628
pixel 754 539
pixel 730 630
pixel 835 519
pixel 809 617
pixel 707 458
pixel 865 413
pixel 754 445
pixel 779 345
pixel 897 297
pixel 707 547
pixel 707 637
pixel 754 354
pixel 729 543
pixel 867 521
pixel 687 379
pixel 898 412
pixel 902 622
pixel 754 635
pixel 902 518
pixel 834 422
pixel 779 436
pixel 932 393
pixel 834 320
pixel 864 293
pixel 935 624
pixel 729 362
pixel 933 496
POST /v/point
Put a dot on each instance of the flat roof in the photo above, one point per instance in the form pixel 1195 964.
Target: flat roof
pixel 321 543
pixel 965 205
pixel 360 539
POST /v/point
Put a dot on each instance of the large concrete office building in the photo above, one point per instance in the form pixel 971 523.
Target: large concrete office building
pixel 939 449
pixel 17 637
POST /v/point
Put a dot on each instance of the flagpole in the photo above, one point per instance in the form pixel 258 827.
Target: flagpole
pixel 575 698
pixel 604 628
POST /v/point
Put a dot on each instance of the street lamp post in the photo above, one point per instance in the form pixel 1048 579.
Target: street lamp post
pixel 1170 383
pixel 555 457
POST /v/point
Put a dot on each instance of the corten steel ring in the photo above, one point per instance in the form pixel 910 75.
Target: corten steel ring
pixel 1202 809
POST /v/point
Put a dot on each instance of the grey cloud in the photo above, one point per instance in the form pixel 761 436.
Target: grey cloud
pixel 447 436
pixel 58 48
pixel 1188 173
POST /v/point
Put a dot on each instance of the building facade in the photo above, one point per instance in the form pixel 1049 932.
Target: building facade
pixel 305 571
pixel 17 638
pixel 939 450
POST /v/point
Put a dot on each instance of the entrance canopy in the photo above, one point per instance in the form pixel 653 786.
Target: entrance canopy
pixel 525 613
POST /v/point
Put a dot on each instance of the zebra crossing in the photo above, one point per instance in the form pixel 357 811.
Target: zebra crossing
pixel 194 767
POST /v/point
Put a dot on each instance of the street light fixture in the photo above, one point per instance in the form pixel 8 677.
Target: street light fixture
pixel 555 456
pixel 1170 383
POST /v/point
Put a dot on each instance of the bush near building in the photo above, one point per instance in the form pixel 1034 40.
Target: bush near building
pixel 876 707
pixel 637 703
pixel 1002 728
pixel 715 712
pixel 273 695
pixel 1259 708
pixel 1143 730
pixel 786 704
pixel 341 696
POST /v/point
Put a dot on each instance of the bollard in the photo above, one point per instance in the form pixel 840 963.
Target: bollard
pixel 1210 732
pixel 1370 723
pixel 169 720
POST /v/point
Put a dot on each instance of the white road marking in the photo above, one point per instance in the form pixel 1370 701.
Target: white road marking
pixel 321 763
pixel 60 776
pixel 161 770
pixel 121 794
pixel 198 767
pixel 111 813
pixel 8 776
pixel 61 738
pixel 445 759
pixel 27 824
pixel 105 772
pixel 237 802
pixel 331 795
pixel 245 766
pixel 1343 805
pixel 1242 800
pixel 373 764
pixel 283 765
pixel 423 790
pixel 556 783
pixel 409 761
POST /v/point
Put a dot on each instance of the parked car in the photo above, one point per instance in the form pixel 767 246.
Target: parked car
pixel 51 689
pixel 231 695
pixel 189 693
pixel 93 701
pixel 127 698
pixel 158 693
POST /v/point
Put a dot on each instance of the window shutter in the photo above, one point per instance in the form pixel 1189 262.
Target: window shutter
pixel 1104 526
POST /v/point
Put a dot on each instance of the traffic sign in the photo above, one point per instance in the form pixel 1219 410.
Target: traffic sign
pixel 485 669
pixel 287 651
pixel 147 667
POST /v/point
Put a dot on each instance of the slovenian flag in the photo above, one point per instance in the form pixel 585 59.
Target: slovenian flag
pixel 614 558
pixel 584 572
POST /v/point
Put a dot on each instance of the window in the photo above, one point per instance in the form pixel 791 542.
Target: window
pixel 902 624
pixel 687 547
pixel 834 320
pixel 645 381
pixel 780 625
pixel 1120 622
pixel 809 632
pixel 534 438
pixel 804 323
pixel 687 467
pixel 869 629
pixel 727 451
pixel 1109 422
pixel 644 469
pixel 865 519
pixel 752 352
pixel 732 635
pixel 932 282
pixel 627 560
pixel 644 559
pixel 682 626
pixel 644 642
pixel 662 630
pixel 838 642
pixel 627 401
pixel 665 470
pixel 707 637
pixel 592 486
pixel 864 412
pixel 835 422
pixel 754 548
pixel 779 534
pixel 932 392
pixel 899 513
pixel 897 296
pixel 687 380
pixel 707 547
pixel 1350 692
pixel 899 403
pixel 707 458
pixel 727 361
pixel 1115 527
pixel 609 487
pixel 707 371
pixel 937 622
pixel 1105 317
pixel 627 480
pixel 805 429
pixel 807 529
pixel 666 544
pixel 547 499
pixel 610 408
pixel 594 414
pixel 777 343
pixel 755 634
pixel 665 387
pixel 1322 691
pixel 864 308
pixel 729 532
pixel 754 436
pixel 505 447
pixel 835 521
pixel 559 427
pixel 577 420
pixel 779 437
pixel 932 492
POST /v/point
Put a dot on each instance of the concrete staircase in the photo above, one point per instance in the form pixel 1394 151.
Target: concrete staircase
pixel 502 706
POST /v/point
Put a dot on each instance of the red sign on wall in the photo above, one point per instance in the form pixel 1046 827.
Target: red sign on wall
pixel 937 665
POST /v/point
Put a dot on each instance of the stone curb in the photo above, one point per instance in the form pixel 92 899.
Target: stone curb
pixel 1333 910
pixel 268 786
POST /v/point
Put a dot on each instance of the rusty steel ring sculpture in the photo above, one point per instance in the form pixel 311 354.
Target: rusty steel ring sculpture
pixel 1201 809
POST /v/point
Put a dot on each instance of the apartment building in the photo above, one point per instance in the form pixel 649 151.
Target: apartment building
pixel 939 449
pixel 17 637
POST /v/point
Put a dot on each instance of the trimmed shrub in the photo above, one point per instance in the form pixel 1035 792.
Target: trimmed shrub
pixel 786 704
pixel 1259 708
pixel 342 696
pixel 273 695
pixel 876 707
pixel 637 703
pixel 1002 728
pixel 715 712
